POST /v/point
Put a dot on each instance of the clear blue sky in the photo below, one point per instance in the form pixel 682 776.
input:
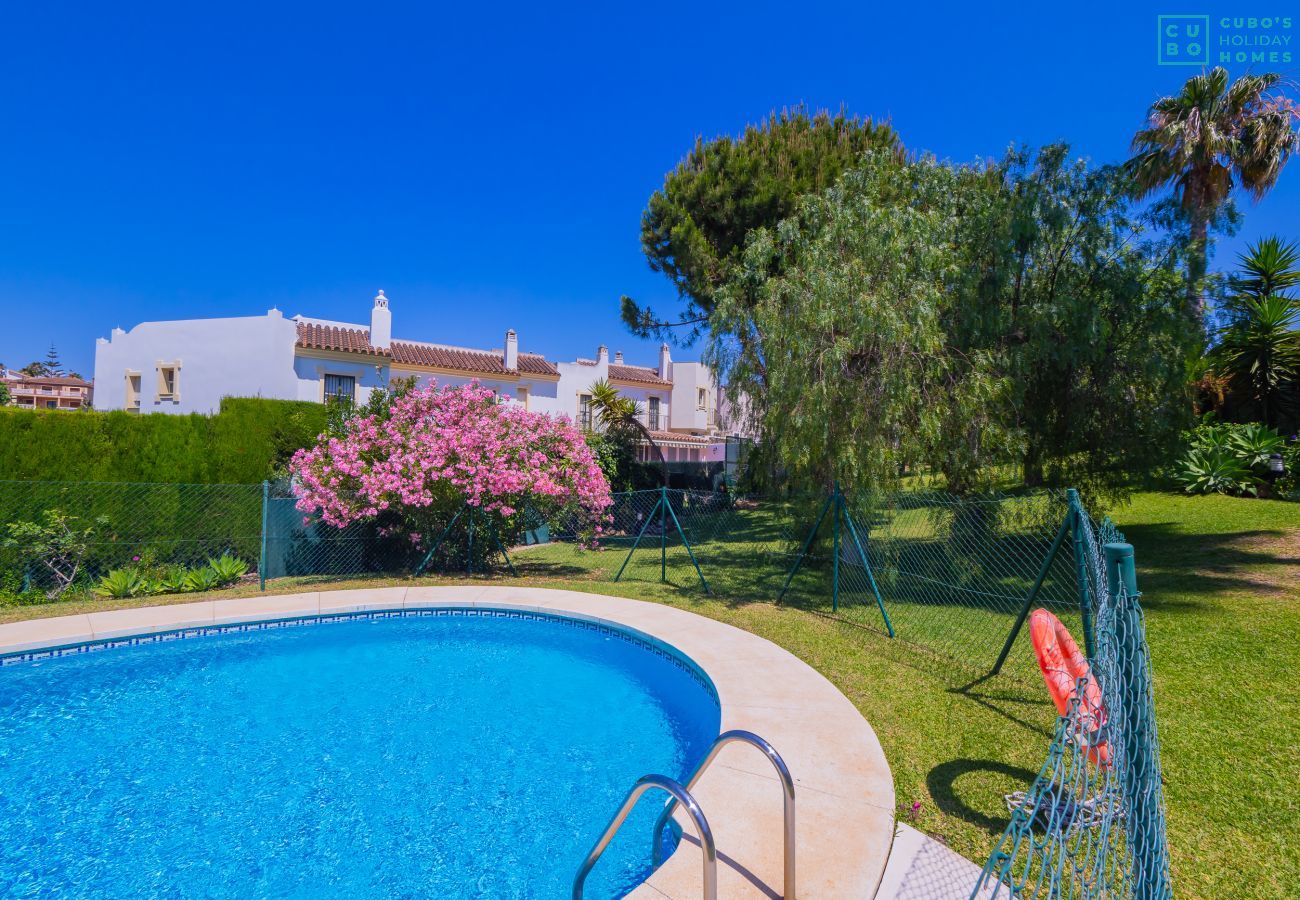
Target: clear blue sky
pixel 486 165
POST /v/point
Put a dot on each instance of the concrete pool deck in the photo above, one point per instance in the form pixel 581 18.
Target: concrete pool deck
pixel 844 789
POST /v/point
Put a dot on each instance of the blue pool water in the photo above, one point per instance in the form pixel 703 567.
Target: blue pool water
pixel 440 756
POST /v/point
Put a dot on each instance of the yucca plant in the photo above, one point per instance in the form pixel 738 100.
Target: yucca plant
pixel 121 583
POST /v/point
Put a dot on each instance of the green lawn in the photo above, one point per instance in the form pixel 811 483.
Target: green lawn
pixel 1221 582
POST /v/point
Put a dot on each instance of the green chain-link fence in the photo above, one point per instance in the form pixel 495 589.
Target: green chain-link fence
pixel 1093 822
pixel 90 528
pixel 953 576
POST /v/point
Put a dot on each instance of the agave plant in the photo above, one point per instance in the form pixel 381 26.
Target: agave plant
pixel 1216 471
pixel 120 583
pixel 172 581
pixel 1213 437
pixel 227 568
pixel 1253 444
pixel 204 578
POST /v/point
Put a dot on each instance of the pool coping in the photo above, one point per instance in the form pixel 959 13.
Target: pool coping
pixel 844 789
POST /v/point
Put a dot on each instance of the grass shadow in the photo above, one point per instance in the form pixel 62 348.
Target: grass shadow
pixel 942 780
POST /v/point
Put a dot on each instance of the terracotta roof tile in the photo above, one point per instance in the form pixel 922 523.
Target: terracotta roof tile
pixel 357 340
pixel 49 379
pixel 639 374
pixel 486 362
pixel 331 337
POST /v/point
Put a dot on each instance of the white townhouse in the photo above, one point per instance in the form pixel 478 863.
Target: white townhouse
pixel 188 366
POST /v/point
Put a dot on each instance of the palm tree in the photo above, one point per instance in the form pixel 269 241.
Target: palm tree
pixel 1259 348
pixel 618 413
pixel 1206 139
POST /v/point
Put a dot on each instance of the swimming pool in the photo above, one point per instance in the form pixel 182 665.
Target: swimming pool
pixel 456 753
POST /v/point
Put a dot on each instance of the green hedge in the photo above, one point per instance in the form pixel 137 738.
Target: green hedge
pixel 242 444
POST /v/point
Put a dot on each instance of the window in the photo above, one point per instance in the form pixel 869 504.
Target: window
pixel 51 404
pixel 169 381
pixel 340 389
pixel 652 417
pixel 132 391
pixel 521 394
pixel 584 411
pixel 702 398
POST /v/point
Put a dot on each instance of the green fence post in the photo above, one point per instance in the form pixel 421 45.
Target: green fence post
pixel 261 562
pixel 1081 573
pixel 681 532
pixel 804 552
pixel 436 544
pixel 1140 772
pixel 663 534
pixel 866 565
pixel 637 542
pixel 835 549
pixel 496 539
pixel 469 547
pixel 1033 591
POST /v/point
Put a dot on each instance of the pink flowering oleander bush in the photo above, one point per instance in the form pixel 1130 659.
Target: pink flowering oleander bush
pixel 411 467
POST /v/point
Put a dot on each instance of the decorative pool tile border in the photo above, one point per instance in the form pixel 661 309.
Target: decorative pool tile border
pixel 655 647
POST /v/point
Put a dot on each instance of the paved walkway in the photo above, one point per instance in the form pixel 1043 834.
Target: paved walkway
pixel 921 868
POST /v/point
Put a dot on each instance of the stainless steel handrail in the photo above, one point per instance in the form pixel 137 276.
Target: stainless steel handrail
pixel 680 795
pixel 787 788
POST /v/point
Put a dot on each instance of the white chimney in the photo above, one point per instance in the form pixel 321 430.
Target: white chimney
pixel 512 351
pixel 602 356
pixel 381 323
pixel 665 363
pixel 618 358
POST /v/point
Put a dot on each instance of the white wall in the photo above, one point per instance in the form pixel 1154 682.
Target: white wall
pixel 577 378
pixel 688 378
pixel 542 392
pixel 310 368
pixel 249 356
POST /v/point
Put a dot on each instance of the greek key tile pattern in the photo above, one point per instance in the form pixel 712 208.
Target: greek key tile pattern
pixel 437 612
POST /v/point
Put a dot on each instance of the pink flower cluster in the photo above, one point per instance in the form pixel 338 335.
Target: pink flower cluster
pixel 444 448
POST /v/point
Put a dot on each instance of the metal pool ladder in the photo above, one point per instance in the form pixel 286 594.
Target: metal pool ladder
pixel 682 795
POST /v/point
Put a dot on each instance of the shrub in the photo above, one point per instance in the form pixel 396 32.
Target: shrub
pixel 244 443
pixel 432 452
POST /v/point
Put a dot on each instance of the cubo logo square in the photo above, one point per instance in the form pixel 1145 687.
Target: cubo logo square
pixel 1183 40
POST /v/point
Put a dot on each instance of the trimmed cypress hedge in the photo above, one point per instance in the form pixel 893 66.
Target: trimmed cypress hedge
pixel 242 444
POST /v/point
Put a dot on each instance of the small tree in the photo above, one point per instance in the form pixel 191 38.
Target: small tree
pixel 57 545
pixel 620 417
pixel 53 365
pixel 1259 345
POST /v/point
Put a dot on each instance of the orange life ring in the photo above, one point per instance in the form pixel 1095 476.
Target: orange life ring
pixel 1064 667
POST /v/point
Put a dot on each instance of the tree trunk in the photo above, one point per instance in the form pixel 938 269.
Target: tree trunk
pixel 1032 467
pixel 1197 265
